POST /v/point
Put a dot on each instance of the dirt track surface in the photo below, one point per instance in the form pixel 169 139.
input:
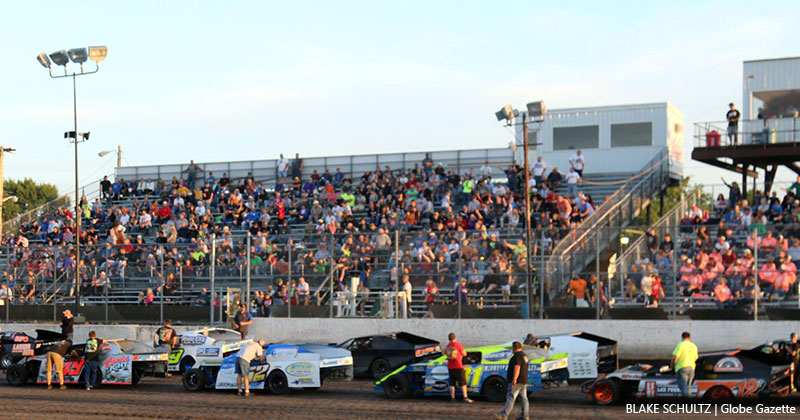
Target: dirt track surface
pixel 165 398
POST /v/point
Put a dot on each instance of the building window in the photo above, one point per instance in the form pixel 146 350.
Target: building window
pixel 581 137
pixel 635 134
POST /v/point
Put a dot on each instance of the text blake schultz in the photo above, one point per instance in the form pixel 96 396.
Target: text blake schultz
pixel 704 409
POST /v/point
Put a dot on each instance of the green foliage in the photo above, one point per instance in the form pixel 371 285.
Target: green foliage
pixel 673 197
pixel 30 194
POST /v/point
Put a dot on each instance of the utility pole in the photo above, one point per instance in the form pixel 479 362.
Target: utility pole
pixel 528 285
pixel 3 151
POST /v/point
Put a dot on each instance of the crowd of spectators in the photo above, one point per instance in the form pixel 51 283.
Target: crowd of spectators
pixel 453 228
pixel 726 253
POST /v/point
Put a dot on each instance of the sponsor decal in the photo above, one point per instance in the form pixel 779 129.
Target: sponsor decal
pixel 193 340
pixel 425 350
pixel 20 338
pixel 343 361
pixel 440 386
pixel 439 373
pixel 304 381
pixel 208 352
pixel 116 360
pixel 21 348
pixel 728 364
pixel 300 369
pixel 283 352
pixel 498 356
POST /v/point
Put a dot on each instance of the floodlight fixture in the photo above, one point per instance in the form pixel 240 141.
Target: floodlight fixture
pixel 537 109
pixel 104 153
pixel 506 113
pixel 77 55
pixel 61 58
pixel 44 60
pixel 98 53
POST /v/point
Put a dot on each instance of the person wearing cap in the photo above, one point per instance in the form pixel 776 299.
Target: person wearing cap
pixel 67 324
pixel 244 356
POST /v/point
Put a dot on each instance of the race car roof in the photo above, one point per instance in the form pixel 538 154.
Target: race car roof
pixel 404 336
pixel 39 334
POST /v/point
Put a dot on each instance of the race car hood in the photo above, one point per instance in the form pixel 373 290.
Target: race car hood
pixel 329 356
pixel 141 352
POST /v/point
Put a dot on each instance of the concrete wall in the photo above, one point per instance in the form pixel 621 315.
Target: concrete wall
pixel 637 339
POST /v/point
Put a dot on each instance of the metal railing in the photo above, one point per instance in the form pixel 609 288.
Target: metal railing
pixel 748 132
pixel 576 250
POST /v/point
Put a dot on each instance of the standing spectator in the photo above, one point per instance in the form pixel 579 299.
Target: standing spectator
pixel 517 378
pixel 431 293
pixel 297 167
pixel 407 290
pixel 539 169
pixel 165 337
pixel 460 292
pixel 577 288
pixel 573 178
pixel 733 116
pixel 684 357
pixel 303 291
pixel 455 352
pixel 55 358
pixel 794 352
pixel 243 358
pixel 192 173
pixel 6 295
pixel 283 169
pixel 242 320
pixel 577 162
pixel 67 324
pixel 90 356
pixel 427 166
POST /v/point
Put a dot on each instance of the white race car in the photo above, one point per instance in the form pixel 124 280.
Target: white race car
pixel 285 366
pixel 589 354
pixel 336 364
pixel 214 341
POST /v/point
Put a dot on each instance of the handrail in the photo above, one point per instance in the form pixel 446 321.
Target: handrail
pixel 571 251
pixel 749 132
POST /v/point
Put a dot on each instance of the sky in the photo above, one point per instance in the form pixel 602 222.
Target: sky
pixel 217 81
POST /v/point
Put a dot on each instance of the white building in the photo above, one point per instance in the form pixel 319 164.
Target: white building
pixel 614 139
pixel 771 99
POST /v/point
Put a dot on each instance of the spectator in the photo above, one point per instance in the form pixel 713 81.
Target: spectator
pixel 733 124
pixel 297 167
pixel 577 289
pixel 242 320
pixel 555 178
pixel 202 299
pixel 67 324
pixel 303 292
pixel 722 295
pixel 90 356
pixel 282 168
pixel 577 162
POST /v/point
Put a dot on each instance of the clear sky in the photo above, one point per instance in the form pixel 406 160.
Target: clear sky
pixel 238 80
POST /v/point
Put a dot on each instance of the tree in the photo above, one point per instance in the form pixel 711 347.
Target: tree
pixel 671 199
pixel 30 195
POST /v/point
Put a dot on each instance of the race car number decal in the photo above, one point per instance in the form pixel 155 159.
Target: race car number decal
pixel 175 356
pixel 746 388
pixel 258 373
pixel 650 389
pixel 475 379
pixel 73 367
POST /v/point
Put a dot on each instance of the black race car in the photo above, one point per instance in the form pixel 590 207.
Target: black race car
pixel 377 355
pixel 18 344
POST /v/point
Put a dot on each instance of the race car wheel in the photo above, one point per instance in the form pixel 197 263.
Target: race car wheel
pixel 194 380
pixel 5 360
pixel 17 375
pixel 136 376
pixel 277 382
pixel 396 387
pixel 495 388
pixel 186 364
pixel 380 368
pixel 605 392
pixel 718 392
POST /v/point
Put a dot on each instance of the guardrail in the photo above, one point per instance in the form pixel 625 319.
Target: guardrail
pixel 573 252
pixel 748 132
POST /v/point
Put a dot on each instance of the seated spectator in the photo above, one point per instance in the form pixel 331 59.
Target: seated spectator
pixel 722 295
pixel 203 299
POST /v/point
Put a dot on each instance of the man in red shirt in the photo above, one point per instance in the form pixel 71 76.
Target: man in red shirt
pixel 454 352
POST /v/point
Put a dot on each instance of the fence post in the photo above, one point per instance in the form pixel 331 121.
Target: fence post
pixel 247 296
pixel 331 270
pixel 675 270
pixel 755 275
pixel 212 274
pixel 541 277
pixel 289 282
pixel 398 277
pixel 597 273
pixel 163 283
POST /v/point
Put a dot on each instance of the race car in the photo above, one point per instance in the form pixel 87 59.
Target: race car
pixel 485 369
pixel 589 354
pixel 18 344
pixel 376 355
pixel 183 358
pixel 758 372
pixel 335 364
pixel 121 362
pixel 285 366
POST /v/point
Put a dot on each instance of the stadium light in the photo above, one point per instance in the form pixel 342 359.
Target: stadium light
pixel 506 113
pixel 537 109
pixel 77 55
pixel 62 58
pixel 44 60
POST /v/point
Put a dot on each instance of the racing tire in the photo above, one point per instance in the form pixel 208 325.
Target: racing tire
pixel 380 368
pixel 396 387
pixel 5 360
pixel 17 375
pixel 277 383
pixel 186 364
pixel 194 380
pixel 605 392
pixel 136 376
pixel 495 388
pixel 718 392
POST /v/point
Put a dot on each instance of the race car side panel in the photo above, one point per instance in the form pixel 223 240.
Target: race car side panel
pixel 302 368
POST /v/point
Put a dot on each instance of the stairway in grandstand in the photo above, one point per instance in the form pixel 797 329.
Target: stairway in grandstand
pixel 573 253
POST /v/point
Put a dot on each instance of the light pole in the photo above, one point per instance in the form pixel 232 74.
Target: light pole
pixel 119 154
pixel 3 151
pixel 61 58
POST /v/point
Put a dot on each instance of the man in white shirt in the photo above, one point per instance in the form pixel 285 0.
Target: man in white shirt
pixel 577 162
pixel 538 170
pixel 244 356
pixel 572 182
pixel 283 168
pixel 407 290
pixel 486 170
pixel 303 291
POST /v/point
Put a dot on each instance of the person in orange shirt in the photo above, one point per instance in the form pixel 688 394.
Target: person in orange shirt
pixel 767 274
pixel 722 295
pixel 577 288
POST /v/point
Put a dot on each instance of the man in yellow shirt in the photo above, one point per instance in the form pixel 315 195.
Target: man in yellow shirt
pixel 684 357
